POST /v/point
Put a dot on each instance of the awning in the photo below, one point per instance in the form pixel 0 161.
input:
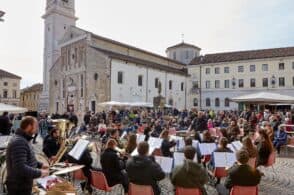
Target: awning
pixel 11 108
pixel 265 98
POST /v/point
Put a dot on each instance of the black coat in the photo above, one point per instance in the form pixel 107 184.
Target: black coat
pixel 5 125
pixel 22 166
pixel 199 124
pixel 112 166
pixel 166 146
pixel 143 170
pixel 50 146
pixel 242 175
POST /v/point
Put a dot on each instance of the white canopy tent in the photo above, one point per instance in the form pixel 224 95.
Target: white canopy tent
pixel 11 108
pixel 264 98
pixel 113 103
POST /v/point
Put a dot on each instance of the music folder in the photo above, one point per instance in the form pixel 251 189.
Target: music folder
pixel 79 149
pixel 207 148
pixel 224 159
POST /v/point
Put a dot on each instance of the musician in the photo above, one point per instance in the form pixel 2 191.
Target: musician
pixel 51 144
pixel 166 144
pixel 113 166
pixel 22 166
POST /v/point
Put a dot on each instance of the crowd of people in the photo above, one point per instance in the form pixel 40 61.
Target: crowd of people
pixel 261 134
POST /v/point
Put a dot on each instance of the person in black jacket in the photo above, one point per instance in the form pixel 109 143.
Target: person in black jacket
pixel 113 167
pixel 143 170
pixel 22 166
pixel 5 124
pixel 166 145
pixel 51 144
pixel 199 124
pixel 242 174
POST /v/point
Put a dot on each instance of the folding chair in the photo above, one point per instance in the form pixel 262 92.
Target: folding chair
pixel 135 189
pixel 244 190
pixel 187 191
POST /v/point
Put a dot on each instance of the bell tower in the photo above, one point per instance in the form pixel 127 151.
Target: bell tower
pixel 59 16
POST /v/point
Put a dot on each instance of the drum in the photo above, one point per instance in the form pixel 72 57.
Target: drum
pixel 3 172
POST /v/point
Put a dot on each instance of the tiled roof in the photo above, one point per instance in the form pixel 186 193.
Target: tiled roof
pixel 182 71
pixel 183 44
pixel 6 74
pixel 243 55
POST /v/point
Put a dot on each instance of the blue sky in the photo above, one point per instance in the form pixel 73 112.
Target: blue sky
pixel 154 25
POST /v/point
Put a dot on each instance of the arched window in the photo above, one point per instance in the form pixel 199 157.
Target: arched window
pixel 171 102
pixel 96 76
pixel 217 102
pixel 227 102
pixel 170 84
pixel 195 102
pixel 207 102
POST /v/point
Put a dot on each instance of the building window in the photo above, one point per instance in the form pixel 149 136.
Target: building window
pixel 281 66
pixel 207 101
pixel 293 81
pixel 182 86
pixel 57 107
pixel 216 70
pixel 207 70
pixel 292 65
pixel 241 83
pixel 187 54
pixel 5 84
pixel 265 82
pixel 195 102
pixel 227 83
pixel 252 83
pixel 240 68
pixel 156 82
pixel 227 70
pixel 140 80
pixel 252 68
pixel 5 93
pixel 63 88
pixel 282 81
pixel 68 56
pixel 120 77
pixel 207 84
pixel 217 84
pixel 93 106
pixel 170 84
pixel 217 102
pixel 265 67
pixel 82 85
pixel 96 76
pixel 227 102
pixel 174 55
pixel 14 94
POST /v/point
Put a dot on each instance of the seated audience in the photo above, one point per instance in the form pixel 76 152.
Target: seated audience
pixel 242 174
pixel 233 131
pixel 166 145
pixel 143 170
pixel 280 139
pixel 264 148
pixel 249 147
pixel 112 166
pixel 190 174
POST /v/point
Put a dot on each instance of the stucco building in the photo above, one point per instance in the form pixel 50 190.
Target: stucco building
pixel 9 88
pixel 30 97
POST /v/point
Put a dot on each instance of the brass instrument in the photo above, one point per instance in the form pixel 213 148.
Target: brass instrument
pixel 64 127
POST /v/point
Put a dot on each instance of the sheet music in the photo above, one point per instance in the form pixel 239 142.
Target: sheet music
pixel 207 148
pixel 123 135
pixel 165 163
pixel 155 142
pixel 232 147
pixel 237 144
pixel 224 159
pixel 180 142
pixel 4 140
pixel 43 181
pixel 179 158
pixel 135 152
pixel 195 144
pixel 79 149
pixel 140 138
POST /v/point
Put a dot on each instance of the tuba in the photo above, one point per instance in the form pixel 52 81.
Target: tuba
pixel 64 127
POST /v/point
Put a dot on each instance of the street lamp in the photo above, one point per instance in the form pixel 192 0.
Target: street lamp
pixel 233 82
pixel 2 13
pixel 273 81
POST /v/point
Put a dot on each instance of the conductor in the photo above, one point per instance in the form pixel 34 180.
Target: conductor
pixel 22 166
